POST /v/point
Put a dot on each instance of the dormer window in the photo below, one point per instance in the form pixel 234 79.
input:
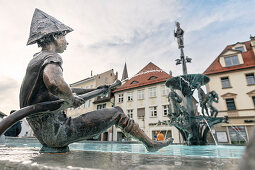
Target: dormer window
pixel 231 61
pixel 241 48
pixel 152 77
pixel 134 82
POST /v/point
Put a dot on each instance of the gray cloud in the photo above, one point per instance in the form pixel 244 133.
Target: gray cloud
pixel 9 89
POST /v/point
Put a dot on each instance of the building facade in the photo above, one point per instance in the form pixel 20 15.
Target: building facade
pixel 97 103
pixel 144 99
pixel 232 77
pixel 107 77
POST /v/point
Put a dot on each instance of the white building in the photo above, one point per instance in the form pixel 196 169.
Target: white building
pixel 144 99
pixel 93 82
pixel 232 77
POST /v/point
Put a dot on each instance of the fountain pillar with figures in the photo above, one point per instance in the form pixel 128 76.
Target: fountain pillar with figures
pixel 193 126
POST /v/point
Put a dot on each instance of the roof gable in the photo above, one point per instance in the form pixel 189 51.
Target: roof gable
pixel 144 77
pixel 248 60
pixel 230 52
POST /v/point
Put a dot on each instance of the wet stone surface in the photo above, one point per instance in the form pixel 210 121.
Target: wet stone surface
pixel 29 158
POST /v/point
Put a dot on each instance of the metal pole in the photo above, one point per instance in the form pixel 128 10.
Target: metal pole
pixel 184 66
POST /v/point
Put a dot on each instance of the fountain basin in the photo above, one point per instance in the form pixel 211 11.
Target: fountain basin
pixel 24 154
pixel 186 83
pixel 208 151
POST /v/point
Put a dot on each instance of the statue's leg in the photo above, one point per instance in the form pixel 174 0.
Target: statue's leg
pixel 129 126
pixel 203 108
pixel 96 122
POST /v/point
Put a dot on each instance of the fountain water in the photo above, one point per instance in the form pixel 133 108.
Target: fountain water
pixel 211 132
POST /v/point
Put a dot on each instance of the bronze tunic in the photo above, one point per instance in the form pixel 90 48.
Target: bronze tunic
pixel 33 89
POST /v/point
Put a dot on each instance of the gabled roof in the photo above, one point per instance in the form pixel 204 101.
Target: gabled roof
pixel 248 58
pixel 143 77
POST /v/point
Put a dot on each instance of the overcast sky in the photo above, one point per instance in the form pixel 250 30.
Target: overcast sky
pixel 108 33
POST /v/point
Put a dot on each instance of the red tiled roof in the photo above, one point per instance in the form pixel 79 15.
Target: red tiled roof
pixel 248 58
pixel 143 76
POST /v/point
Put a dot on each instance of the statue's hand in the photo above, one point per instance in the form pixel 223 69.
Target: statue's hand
pixel 77 101
pixel 103 86
pixel 106 87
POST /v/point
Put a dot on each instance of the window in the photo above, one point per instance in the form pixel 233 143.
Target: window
pixel 134 82
pixel 153 111
pixel 91 86
pixel 250 78
pixel 152 77
pixel 130 96
pixel 231 104
pixel 101 106
pixel 130 113
pixel 89 103
pixel 231 61
pixel 140 112
pixel 225 82
pixel 106 80
pixel 253 99
pixel 140 94
pixel 120 98
pixel 165 90
pixel 237 134
pixel 152 92
pixel 240 49
pixel 165 110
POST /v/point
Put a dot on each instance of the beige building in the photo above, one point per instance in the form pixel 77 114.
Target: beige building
pixel 99 102
pixel 232 77
pixel 144 99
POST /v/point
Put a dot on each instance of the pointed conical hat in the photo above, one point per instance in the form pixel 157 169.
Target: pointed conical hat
pixel 43 24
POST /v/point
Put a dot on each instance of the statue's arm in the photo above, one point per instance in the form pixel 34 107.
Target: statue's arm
pixel 80 91
pixel 54 81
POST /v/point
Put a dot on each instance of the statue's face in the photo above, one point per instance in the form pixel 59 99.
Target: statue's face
pixel 177 24
pixel 61 44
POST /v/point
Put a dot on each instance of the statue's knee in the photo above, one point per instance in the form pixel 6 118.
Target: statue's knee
pixel 119 109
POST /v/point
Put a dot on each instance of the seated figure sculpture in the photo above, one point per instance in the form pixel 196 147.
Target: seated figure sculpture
pixel 44 82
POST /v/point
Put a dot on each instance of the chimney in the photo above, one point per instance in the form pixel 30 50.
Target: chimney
pixel 252 41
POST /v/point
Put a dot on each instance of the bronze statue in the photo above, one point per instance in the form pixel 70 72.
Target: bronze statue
pixel 206 101
pixel 174 104
pixel 179 35
pixel 44 82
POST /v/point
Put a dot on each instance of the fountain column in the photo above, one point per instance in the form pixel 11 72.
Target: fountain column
pixel 180 40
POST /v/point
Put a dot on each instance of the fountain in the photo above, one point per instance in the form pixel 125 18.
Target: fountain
pixel 183 114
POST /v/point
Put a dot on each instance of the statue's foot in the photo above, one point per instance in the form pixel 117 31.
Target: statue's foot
pixel 159 144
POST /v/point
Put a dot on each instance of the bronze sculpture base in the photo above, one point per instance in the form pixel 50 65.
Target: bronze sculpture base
pixel 46 149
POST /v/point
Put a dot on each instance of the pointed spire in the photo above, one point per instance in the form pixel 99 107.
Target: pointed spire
pixel 125 73
pixel 43 24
